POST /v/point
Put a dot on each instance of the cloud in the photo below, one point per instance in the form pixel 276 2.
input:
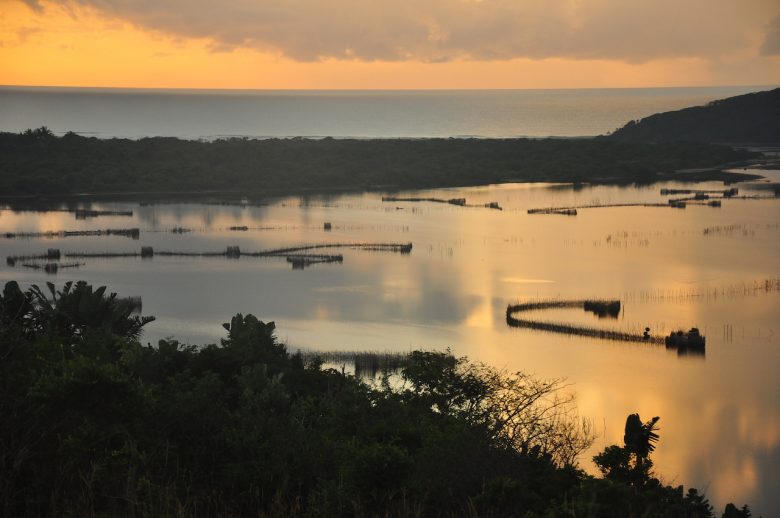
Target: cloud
pixel 23 33
pixel 771 45
pixel 440 30
pixel 35 5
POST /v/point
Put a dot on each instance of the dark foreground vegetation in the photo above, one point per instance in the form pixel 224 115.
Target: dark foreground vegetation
pixel 38 163
pixel 96 424
pixel 751 118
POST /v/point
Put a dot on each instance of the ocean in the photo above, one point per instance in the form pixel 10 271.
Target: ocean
pixel 212 114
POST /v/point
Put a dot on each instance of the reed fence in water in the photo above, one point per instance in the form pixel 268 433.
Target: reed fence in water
pixel 611 307
pixel 298 256
pixel 367 364
pixel 460 202
pixel 133 233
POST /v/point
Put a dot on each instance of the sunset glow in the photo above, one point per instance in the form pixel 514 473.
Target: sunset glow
pixel 110 44
pixel 390 257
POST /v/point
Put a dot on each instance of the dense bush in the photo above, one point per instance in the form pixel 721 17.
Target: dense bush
pixel 96 424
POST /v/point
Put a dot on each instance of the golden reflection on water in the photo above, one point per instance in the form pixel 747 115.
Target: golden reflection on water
pixel 720 413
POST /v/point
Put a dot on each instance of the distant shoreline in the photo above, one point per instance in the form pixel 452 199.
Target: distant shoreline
pixel 713 175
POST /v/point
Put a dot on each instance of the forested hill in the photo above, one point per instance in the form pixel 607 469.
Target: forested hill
pixel 37 162
pixel 751 118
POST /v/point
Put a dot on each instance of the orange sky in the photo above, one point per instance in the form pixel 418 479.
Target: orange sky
pixel 63 43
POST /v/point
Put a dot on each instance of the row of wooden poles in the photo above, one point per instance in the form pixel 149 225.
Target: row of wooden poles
pixel 699 197
pixel 79 213
pixel 769 285
pixel 460 202
pixel 133 233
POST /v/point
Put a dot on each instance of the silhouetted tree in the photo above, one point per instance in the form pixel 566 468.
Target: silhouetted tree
pixel 631 462
pixel 640 439
pixel 731 511
pixel 69 312
pixel 96 424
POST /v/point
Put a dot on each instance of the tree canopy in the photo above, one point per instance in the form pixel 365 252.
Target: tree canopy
pixel 94 423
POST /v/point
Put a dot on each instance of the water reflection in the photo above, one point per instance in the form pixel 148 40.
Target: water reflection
pixel 748 455
pixel 671 269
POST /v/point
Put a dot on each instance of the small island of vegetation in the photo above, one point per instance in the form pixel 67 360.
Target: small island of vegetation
pixel 94 423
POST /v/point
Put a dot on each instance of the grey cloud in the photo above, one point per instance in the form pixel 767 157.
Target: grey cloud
pixel 35 5
pixel 441 30
pixel 24 33
pixel 771 45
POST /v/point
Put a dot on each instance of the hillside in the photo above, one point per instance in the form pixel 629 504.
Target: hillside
pixel 751 118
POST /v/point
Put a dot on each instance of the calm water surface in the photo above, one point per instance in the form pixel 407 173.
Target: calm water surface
pixel 342 113
pixel 671 268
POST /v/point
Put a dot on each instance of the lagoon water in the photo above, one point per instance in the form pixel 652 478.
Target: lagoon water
pixel 671 269
pixel 212 114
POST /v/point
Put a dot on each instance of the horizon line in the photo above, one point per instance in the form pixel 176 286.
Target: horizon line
pixel 205 89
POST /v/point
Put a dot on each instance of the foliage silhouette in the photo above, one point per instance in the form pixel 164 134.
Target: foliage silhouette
pixel 750 118
pixel 38 163
pixel 97 424
pixel 630 463
pixel 732 511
